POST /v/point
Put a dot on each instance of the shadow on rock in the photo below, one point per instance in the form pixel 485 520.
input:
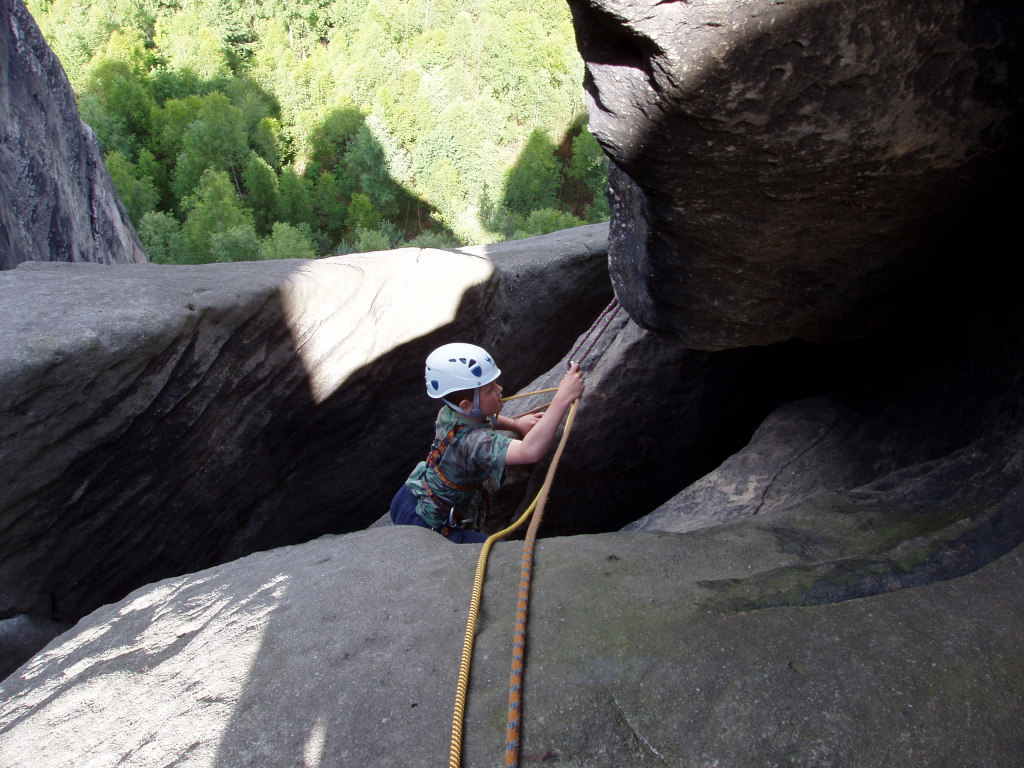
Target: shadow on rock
pixel 159 420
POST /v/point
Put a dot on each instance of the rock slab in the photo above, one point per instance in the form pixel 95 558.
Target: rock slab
pixel 921 442
pixel 656 417
pixel 345 651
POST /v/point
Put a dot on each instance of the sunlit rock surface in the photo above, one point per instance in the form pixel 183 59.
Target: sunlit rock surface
pixel 779 167
pixel 57 202
pixel 345 651
pixel 157 420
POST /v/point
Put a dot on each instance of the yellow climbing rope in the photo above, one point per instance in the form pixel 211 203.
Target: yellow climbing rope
pixel 455 754
pixel 515 686
pixel 529 394
pixel 536 508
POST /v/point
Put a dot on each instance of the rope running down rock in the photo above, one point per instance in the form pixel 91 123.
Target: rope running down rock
pixel 536 508
pixel 515 687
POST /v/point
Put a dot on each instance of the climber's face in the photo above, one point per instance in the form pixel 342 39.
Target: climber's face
pixel 490 400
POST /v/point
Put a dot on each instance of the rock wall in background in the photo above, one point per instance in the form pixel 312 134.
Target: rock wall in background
pixel 57 202
pixel 156 420
pixel 920 448
pixel 779 168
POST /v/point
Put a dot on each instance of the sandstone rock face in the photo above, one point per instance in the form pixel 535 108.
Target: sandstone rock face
pixel 915 433
pixel 21 636
pixel 779 167
pixel 57 202
pixel 656 417
pixel 157 420
pixel 924 445
pixel 345 651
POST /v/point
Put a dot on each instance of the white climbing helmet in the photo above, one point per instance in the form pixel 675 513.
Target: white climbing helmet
pixel 459 366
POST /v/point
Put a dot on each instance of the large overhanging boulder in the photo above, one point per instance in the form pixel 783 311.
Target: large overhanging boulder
pixel 924 437
pixel 345 651
pixel 914 437
pixel 779 167
pixel 157 420
pixel 57 202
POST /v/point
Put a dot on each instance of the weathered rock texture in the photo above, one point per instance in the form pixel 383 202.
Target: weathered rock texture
pixel 158 420
pixel 926 440
pixel 21 636
pixel 916 432
pixel 779 167
pixel 656 417
pixel 345 651
pixel 57 202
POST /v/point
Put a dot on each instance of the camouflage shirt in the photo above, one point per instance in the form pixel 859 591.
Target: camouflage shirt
pixel 475 457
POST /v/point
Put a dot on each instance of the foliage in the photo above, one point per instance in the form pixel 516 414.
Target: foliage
pixel 534 181
pixel 261 192
pixel 589 163
pixel 589 167
pixel 188 43
pixel 138 195
pixel 214 208
pixel 395 120
pixel 294 201
pixel 432 239
pixel 160 234
pixel 215 140
pixel 367 240
pixel 362 214
pixel 329 207
pixel 329 139
pixel 169 124
pixel 544 221
pixel 265 139
pixel 237 243
pixel 123 95
pixel 365 161
pixel 287 242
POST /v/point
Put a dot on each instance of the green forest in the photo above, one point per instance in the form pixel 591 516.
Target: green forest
pixel 263 129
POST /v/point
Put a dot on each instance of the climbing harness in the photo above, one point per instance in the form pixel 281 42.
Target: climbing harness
pixel 433 462
pixel 437 451
pixel 536 509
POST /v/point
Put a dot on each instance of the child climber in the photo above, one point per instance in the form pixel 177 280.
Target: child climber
pixel 467 452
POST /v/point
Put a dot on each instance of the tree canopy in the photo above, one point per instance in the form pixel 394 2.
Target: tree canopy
pixel 257 129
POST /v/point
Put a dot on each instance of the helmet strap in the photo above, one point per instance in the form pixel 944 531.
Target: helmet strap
pixel 453 406
pixel 476 413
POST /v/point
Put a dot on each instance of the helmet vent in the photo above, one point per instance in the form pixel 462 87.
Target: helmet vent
pixel 469 367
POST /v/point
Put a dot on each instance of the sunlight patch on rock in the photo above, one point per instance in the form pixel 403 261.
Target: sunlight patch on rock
pixel 328 302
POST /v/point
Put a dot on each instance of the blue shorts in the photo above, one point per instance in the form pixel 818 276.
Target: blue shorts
pixel 403 512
